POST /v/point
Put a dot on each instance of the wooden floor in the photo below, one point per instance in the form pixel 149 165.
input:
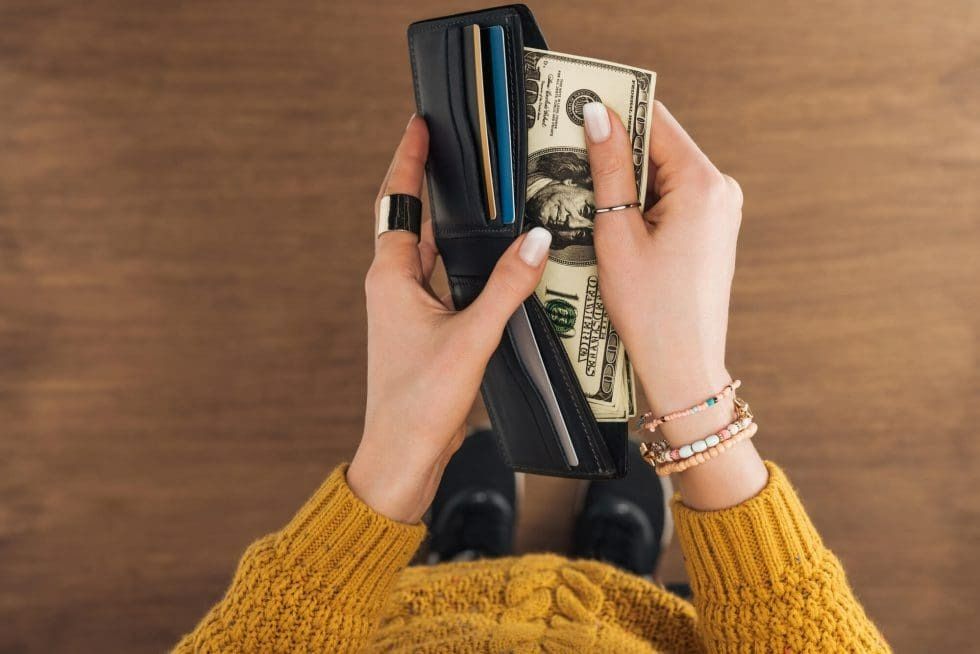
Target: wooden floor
pixel 185 221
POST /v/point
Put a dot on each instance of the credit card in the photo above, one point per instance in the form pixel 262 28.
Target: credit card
pixel 502 127
pixel 474 55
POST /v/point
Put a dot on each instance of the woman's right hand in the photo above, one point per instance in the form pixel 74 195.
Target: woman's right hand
pixel 665 277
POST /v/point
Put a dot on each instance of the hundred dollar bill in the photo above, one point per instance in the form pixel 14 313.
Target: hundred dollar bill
pixel 560 198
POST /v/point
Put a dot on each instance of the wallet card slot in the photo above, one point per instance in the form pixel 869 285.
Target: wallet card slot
pixel 525 344
pixel 514 403
pixel 456 202
pixel 436 50
pixel 514 116
pixel 475 74
pixel 583 427
pixel 513 392
pixel 466 137
pixel 468 123
pixel 511 396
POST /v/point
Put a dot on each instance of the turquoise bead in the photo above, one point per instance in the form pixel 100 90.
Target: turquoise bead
pixel 712 401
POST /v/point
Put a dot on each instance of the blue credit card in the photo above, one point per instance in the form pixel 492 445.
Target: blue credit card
pixel 501 109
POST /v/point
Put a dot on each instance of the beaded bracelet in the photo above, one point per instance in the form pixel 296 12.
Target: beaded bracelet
pixel 665 469
pixel 651 425
pixel 661 452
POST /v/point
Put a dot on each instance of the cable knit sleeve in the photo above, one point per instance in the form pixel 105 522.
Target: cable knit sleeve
pixel 317 585
pixel 764 582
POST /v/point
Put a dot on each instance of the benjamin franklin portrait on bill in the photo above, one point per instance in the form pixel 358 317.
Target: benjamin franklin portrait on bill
pixel 559 196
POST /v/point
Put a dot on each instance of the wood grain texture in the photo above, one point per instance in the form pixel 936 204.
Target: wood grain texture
pixel 185 194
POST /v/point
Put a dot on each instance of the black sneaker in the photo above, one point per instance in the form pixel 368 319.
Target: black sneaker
pixel 626 522
pixel 474 511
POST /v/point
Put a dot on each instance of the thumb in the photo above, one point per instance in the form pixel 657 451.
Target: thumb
pixel 513 279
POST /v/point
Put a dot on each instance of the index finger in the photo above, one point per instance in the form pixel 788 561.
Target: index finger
pixel 613 179
pixel 404 176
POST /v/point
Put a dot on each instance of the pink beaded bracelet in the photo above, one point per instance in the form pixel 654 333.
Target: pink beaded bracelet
pixel 671 467
pixel 651 425
pixel 661 452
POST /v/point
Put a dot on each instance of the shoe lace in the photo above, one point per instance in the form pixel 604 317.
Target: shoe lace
pixel 479 530
pixel 614 541
pixel 476 530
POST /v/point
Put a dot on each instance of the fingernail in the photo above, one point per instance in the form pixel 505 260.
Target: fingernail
pixel 596 121
pixel 535 246
pixel 410 119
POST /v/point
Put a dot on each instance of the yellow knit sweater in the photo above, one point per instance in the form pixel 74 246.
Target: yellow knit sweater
pixel 336 580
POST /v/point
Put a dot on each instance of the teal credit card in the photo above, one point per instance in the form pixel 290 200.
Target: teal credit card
pixel 502 126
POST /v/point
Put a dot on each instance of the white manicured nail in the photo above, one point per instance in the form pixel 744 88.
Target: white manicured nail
pixel 596 121
pixel 535 246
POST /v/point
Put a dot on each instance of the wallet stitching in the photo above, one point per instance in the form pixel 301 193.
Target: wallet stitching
pixel 464 231
pixel 515 114
pixel 421 106
pixel 498 440
pixel 467 18
pixel 598 473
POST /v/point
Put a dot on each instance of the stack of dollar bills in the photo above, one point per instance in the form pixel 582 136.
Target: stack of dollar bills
pixel 560 198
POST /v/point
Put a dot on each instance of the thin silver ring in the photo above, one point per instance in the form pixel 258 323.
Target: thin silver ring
pixel 631 205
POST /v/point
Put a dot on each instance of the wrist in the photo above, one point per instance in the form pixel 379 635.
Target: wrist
pixel 725 481
pixel 679 386
pixel 397 488
pixel 670 390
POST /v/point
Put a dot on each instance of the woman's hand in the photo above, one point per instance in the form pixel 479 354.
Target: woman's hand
pixel 665 277
pixel 425 360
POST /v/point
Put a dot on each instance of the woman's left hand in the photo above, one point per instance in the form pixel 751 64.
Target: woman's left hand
pixel 426 360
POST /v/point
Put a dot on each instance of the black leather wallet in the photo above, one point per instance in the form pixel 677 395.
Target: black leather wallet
pixel 539 412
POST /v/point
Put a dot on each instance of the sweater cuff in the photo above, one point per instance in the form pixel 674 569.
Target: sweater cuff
pixel 337 531
pixel 749 546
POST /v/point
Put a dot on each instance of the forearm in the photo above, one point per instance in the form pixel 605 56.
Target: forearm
pixel 763 580
pixel 756 563
pixel 318 584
